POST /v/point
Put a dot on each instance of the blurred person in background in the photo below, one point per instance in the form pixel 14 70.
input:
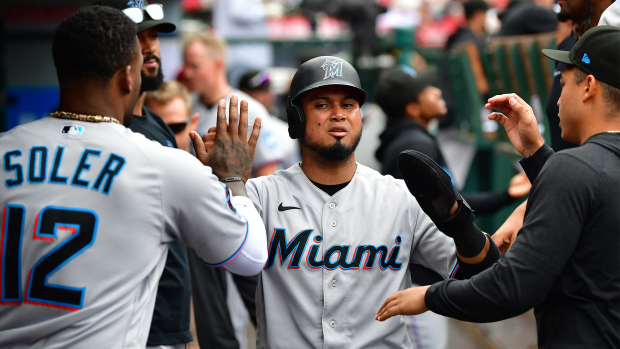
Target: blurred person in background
pixel 410 103
pixel 584 14
pixel 473 31
pixel 256 84
pixel 171 316
pixel 524 17
pixel 173 103
pixel 205 74
pixel 244 20
pixel 611 16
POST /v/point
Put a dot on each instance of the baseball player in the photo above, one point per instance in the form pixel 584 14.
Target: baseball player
pixel 341 236
pixel 88 206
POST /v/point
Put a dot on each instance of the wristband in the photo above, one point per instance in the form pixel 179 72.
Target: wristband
pixel 232 179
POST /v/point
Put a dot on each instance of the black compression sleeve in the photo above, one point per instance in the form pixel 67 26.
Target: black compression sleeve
pixel 488 202
pixel 534 164
pixel 465 271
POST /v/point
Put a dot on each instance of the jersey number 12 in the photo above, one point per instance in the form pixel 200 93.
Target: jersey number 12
pixel 83 227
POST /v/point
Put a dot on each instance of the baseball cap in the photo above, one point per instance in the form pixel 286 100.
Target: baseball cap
pixel 147 23
pixel 254 80
pixel 597 53
pixel 401 85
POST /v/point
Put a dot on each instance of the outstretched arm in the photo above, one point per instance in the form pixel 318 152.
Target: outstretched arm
pixel 526 274
pixel 433 190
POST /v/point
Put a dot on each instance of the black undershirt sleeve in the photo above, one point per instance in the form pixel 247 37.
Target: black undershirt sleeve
pixel 485 203
pixel 552 226
pixel 534 164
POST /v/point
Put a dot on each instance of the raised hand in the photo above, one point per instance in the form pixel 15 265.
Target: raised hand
pixel 519 186
pixel 406 302
pixel 228 151
pixel 519 122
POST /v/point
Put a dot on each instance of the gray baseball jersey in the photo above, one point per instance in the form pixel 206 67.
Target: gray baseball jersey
pixel 88 209
pixel 268 150
pixel 334 260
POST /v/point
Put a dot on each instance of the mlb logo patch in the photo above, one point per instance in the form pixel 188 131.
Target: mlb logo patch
pixel 72 130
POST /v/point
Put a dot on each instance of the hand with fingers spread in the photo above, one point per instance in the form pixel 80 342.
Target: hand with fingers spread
pixel 519 122
pixel 406 302
pixel 227 149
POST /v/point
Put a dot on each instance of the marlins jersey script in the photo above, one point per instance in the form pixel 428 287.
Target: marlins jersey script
pixel 333 260
pixel 88 209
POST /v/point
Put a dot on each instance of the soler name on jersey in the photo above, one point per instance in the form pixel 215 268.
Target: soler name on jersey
pixel 33 166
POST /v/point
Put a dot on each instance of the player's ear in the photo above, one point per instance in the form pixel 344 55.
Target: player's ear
pixel 125 79
pixel 194 123
pixel 589 87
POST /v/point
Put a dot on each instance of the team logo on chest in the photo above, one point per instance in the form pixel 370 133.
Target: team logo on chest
pixel 335 256
pixel 332 68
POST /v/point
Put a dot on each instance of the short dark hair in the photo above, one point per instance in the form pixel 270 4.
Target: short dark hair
pixel 93 43
pixel 473 6
pixel 611 94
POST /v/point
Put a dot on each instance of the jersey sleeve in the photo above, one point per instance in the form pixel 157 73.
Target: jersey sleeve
pixel 197 209
pixel 431 248
pixel 268 147
pixel 253 189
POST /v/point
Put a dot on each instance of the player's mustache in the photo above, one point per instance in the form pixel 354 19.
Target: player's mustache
pixel 148 58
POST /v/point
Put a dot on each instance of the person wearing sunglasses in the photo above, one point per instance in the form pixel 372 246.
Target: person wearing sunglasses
pixel 170 326
pixel 173 103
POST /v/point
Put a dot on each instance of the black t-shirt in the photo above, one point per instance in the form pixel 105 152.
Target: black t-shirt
pixel 170 324
pixel 564 262
pixel 153 127
pixel 552 109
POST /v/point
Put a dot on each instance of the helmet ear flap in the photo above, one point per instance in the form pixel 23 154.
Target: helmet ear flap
pixel 296 119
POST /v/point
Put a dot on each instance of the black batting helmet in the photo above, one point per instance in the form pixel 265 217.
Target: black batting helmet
pixel 318 72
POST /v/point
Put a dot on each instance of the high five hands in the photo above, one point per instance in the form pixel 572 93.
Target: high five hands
pixel 226 148
pixel 519 122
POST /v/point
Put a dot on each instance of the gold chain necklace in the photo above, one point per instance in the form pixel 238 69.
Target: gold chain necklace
pixel 84 117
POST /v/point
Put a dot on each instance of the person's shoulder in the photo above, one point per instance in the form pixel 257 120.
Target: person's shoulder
pixel 575 164
pixel 374 177
pixel 279 177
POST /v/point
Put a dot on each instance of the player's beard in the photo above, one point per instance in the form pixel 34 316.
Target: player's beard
pixel 335 152
pixel 149 82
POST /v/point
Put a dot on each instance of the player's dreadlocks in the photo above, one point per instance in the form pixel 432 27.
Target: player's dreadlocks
pixel 93 43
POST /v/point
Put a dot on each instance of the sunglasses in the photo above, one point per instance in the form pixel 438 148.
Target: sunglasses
pixel 136 14
pixel 179 127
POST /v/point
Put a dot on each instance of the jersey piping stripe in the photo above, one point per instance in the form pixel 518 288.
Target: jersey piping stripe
pixel 232 258
pixel 456 268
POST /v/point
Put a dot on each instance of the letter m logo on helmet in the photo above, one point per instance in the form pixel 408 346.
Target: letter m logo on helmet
pixel 332 68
